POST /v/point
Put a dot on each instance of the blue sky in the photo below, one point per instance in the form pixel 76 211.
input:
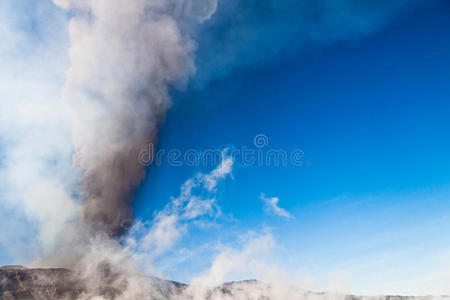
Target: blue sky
pixel 370 114
pixel 367 102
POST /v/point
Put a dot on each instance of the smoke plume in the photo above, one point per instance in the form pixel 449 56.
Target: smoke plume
pixel 124 55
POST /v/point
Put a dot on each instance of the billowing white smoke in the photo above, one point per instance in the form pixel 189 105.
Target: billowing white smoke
pixel 124 55
pixel 38 184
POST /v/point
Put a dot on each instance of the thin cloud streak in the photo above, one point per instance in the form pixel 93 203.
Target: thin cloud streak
pixel 271 207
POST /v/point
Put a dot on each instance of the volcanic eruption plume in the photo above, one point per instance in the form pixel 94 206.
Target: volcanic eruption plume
pixel 123 57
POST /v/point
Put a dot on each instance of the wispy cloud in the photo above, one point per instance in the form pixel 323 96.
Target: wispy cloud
pixel 271 207
pixel 293 24
pixel 197 201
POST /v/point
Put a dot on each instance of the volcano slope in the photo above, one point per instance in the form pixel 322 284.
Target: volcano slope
pixel 18 282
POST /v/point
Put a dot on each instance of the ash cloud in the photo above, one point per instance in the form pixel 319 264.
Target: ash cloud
pixel 124 55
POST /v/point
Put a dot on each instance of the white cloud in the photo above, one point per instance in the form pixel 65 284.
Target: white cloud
pixel 164 233
pixel 254 258
pixel 197 200
pixel 232 263
pixel 271 207
pixel 211 180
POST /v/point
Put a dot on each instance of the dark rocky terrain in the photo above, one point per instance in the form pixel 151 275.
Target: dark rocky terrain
pixel 17 282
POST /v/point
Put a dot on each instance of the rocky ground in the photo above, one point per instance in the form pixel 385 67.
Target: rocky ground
pixel 17 282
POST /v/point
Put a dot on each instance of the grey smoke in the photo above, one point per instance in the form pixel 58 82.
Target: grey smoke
pixel 124 55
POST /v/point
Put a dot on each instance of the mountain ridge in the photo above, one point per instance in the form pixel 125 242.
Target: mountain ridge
pixel 19 282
